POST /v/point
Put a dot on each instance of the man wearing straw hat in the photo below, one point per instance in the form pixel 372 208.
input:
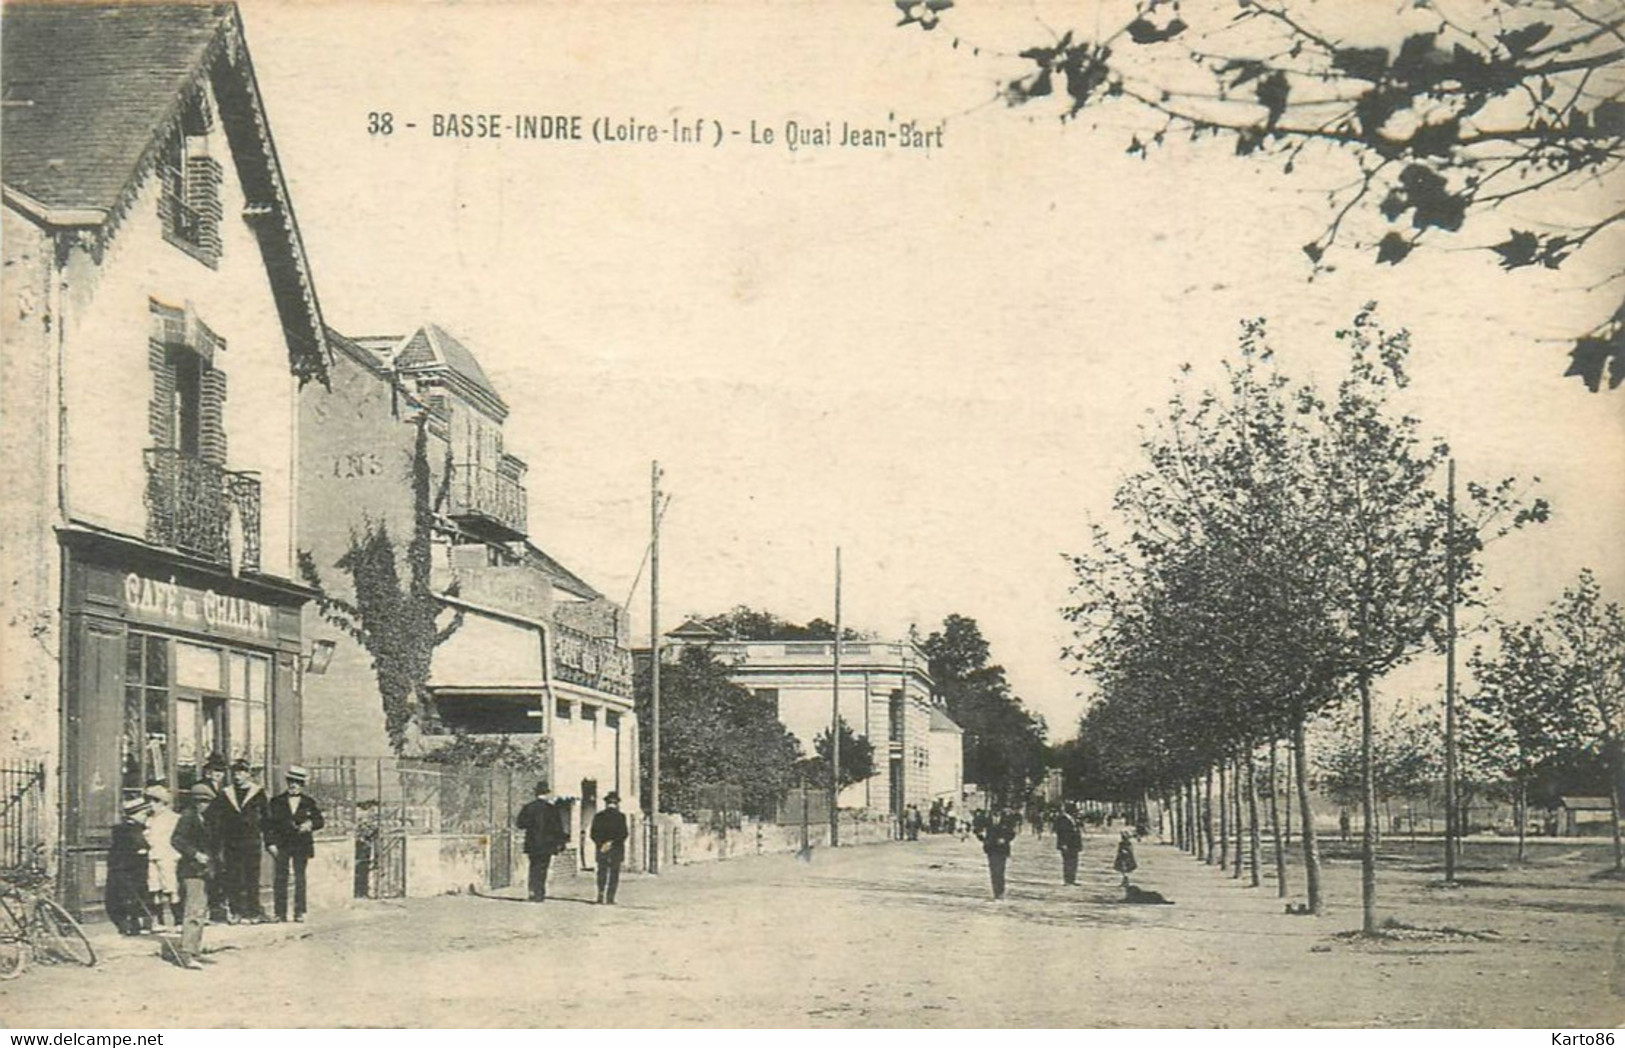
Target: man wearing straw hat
pixel 291 823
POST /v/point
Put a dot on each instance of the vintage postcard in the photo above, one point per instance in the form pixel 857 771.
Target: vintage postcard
pixel 882 515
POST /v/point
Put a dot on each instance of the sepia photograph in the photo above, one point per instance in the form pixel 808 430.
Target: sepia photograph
pixel 884 514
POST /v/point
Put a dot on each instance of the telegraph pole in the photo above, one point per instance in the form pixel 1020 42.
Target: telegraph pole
pixel 654 664
pixel 1450 826
pixel 835 721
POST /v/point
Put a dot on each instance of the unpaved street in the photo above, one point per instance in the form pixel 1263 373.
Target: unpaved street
pixel 896 935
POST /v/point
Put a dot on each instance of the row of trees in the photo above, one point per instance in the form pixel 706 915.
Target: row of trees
pixel 1283 548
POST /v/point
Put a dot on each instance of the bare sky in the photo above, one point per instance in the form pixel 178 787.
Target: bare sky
pixel 938 360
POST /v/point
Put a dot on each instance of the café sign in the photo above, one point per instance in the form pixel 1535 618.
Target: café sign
pixel 187 607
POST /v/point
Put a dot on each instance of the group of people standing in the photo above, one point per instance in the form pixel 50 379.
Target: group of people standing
pixel 201 861
pixel 998 832
pixel 542 819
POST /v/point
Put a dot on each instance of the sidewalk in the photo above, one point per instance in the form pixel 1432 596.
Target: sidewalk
pixel 111 946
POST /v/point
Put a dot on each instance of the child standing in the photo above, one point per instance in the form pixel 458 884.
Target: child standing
pixel 1124 863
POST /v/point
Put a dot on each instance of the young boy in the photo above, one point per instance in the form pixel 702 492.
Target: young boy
pixel 127 870
pixel 161 879
pixel 191 841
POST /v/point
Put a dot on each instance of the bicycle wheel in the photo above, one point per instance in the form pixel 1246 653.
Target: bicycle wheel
pixel 59 936
pixel 13 941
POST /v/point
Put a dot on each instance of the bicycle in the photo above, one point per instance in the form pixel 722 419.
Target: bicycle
pixel 34 926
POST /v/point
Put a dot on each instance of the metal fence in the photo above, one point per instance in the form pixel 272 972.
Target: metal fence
pixel 382 801
pixel 22 808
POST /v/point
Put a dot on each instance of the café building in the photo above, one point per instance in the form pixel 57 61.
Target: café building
pixel 159 320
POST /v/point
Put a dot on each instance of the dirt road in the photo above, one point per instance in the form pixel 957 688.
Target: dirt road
pixel 897 935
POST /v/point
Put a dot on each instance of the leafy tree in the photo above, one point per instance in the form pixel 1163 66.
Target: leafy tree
pixel 857 758
pixel 474 751
pixel 1285 548
pixel 1588 637
pixel 746 623
pixel 1523 713
pixel 1004 743
pixel 712 733
pixel 1445 112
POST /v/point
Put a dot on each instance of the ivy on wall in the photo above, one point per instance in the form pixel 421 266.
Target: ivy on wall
pixel 391 617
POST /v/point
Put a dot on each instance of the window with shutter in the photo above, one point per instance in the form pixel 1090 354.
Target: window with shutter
pixel 189 201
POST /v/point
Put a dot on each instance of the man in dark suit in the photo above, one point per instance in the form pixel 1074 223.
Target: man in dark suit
pixel 291 822
pixel 195 853
pixel 1068 841
pixel 608 833
pixel 545 837
pixel 242 838
pixel 996 840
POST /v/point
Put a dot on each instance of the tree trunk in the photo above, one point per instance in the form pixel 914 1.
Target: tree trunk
pixel 1207 817
pixel 1288 791
pixel 1194 816
pixel 1368 808
pixel 1235 798
pixel 1275 827
pixel 1518 809
pixel 1254 878
pixel 1613 799
pixel 1311 845
pixel 1177 811
pixel 1224 820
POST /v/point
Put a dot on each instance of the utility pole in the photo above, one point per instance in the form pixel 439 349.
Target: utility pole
pixel 1450 826
pixel 654 664
pixel 835 721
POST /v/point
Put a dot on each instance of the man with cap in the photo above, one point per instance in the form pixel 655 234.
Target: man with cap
pixel 242 837
pixel 608 833
pixel 127 869
pixel 196 851
pixel 545 837
pixel 291 822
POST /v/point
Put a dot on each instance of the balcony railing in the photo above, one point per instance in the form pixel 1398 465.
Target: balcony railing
pixel 593 662
pixel 483 495
pixel 190 505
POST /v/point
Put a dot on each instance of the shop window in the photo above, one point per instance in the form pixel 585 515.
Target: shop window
pixel 145 743
pixel 249 690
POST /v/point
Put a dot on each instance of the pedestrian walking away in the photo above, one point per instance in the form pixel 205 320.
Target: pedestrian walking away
pixel 996 840
pixel 1068 841
pixel 608 833
pixel 545 837
pixel 291 821
pixel 1124 863
pixel 191 841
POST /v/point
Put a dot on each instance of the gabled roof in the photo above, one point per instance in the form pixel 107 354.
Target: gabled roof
pixel 694 629
pixel 93 90
pixel 432 348
pixel 940 721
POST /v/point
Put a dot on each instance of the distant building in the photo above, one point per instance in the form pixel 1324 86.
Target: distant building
pixel 527 649
pixel 1585 816
pixel 159 321
pixel 886 696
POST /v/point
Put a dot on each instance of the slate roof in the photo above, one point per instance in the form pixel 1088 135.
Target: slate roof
pixel 87 86
pixel 562 576
pixel 431 346
pixel 91 92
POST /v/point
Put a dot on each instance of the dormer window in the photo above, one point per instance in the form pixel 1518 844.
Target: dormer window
pixel 189 203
